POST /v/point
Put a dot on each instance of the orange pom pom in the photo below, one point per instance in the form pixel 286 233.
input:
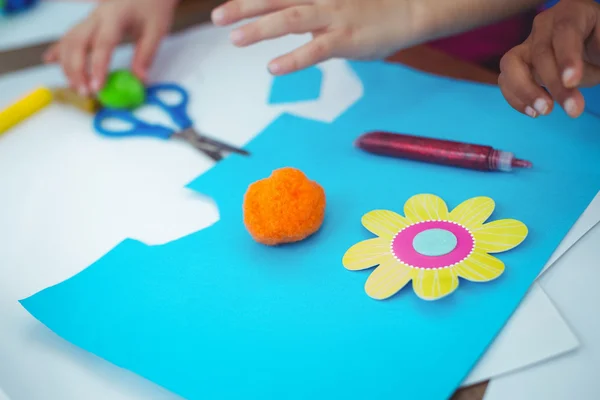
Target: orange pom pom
pixel 283 208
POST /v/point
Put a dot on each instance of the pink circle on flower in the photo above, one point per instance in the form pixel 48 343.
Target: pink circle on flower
pixel 404 251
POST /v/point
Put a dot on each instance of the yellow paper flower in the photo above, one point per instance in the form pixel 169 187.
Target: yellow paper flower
pixel 432 246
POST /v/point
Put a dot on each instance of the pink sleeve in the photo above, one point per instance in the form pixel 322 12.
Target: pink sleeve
pixel 485 46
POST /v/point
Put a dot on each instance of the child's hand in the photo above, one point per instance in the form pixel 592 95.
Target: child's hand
pixel 561 54
pixel 85 52
pixel 357 29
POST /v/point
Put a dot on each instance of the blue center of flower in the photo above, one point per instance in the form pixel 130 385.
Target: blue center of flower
pixel 434 242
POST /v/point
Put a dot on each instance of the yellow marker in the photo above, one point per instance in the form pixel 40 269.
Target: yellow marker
pixel 24 108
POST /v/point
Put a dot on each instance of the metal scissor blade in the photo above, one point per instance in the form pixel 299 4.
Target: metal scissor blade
pixel 218 144
pixel 210 151
pixel 223 146
pixel 189 136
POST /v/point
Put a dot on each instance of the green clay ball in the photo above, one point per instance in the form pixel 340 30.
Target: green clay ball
pixel 122 90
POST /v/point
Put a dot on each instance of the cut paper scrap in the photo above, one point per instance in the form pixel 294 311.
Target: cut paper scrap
pixel 286 90
pixel 217 315
pixel 432 247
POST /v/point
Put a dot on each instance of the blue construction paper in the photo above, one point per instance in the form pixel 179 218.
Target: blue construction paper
pixel 215 315
pixel 285 88
pixel 592 100
pixel 552 3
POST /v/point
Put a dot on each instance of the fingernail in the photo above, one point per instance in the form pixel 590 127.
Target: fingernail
pixel 82 90
pixel 95 85
pixel 570 107
pixel 236 36
pixel 568 75
pixel 274 68
pixel 531 112
pixel 218 15
pixel 541 106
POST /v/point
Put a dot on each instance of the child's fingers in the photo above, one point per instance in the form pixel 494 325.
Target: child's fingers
pixel 544 62
pixel 516 79
pixel 52 54
pixel 568 42
pixel 106 39
pixel 568 47
pixel 314 52
pixel 296 20
pixel 547 69
pixel 146 48
pixel 514 100
pixel 73 56
pixel 237 10
pixel 575 104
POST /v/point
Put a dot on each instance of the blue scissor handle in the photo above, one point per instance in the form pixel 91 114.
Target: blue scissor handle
pixel 138 127
pixel 178 112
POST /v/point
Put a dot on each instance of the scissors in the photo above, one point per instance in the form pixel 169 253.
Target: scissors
pixel 178 114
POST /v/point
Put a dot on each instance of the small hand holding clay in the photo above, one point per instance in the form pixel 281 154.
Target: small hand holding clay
pixel 85 52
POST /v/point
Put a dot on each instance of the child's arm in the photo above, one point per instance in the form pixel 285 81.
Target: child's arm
pixel 85 52
pixel 357 29
pixel 561 54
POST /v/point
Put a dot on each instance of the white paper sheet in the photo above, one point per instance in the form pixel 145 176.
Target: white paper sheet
pixel 72 195
pixel 589 219
pixel 535 333
pixel 573 286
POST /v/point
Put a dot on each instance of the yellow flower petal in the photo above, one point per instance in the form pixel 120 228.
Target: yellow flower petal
pixel 480 267
pixel 433 284
pixel 384 223
pixel 387 279
pixel 366 254
pixel 424 207
pixel 501 235
pixel 474 212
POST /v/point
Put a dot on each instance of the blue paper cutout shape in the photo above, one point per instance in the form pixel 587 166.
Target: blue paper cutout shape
pixel 285 88
pixel 215 315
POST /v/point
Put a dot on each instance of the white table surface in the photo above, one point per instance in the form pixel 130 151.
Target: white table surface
pixel 43 366
pixel 48 21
